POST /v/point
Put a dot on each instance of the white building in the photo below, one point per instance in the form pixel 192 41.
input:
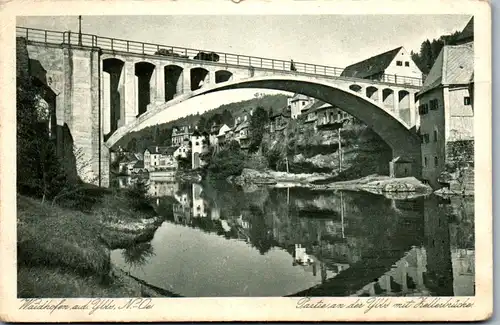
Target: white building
pixel 298 103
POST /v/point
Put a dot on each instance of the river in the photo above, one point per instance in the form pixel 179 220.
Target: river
pixel 218 240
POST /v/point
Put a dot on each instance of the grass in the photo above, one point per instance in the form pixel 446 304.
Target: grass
pixel 62 252
pixel 54 236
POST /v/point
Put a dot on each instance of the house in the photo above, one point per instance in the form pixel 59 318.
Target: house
pixel 152 156
pixel 323 114
pixel 400 167
pixel 179 134
pixel 297 104
pixel 241 134
pixel 222 137
pixel 167 159
pixel 199 146
pixel 279 120
pixel 127 167
pixel 138 166
pixel 391 66
pixel 183 150
pixel 446 111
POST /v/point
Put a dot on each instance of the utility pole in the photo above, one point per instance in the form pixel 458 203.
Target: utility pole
pixel 340 151
pixel 79 30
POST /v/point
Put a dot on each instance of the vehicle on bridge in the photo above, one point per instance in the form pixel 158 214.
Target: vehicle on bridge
pixel 166 52
pixel 212 56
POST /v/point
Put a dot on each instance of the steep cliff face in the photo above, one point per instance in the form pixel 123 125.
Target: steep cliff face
pixel 312 150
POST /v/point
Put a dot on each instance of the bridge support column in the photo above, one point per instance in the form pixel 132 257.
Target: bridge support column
pixel 105 102
pixel 415 118
pixel 380 96
pixel 186 81
pixel 211 77
pixel 130 81
pixel 160 84
pixel 396 103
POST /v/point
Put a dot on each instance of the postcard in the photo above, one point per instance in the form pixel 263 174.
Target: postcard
pixel 246 161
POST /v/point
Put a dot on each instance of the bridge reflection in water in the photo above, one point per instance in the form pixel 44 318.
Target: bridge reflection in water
pixel 338 244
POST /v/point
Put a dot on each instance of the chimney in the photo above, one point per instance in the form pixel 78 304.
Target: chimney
pixel 156 149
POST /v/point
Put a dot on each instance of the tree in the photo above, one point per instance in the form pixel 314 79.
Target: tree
pixel 230 161
pixel 257 126
pixel 202 122
pixel 132 145
pixel 227 117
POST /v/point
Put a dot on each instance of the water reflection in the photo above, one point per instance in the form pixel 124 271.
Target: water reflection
pixel 221 241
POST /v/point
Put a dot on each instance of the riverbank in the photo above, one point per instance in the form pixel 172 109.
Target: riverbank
pixel 396 188
pixel 63 252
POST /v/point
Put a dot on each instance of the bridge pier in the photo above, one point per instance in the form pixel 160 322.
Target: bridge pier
pixel 160 84
pixel 130 86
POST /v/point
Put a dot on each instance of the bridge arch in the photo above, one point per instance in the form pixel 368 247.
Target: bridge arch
pixel 144 75
pixel 372 93
pixel 199 77
pixel 395 132
pixel 173 81
pixel 388 98
pixel 113 88
pixel 223 76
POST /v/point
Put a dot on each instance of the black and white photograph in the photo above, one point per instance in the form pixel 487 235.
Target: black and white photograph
pixel 249 156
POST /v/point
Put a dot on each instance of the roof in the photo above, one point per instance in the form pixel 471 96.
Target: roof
pixel 170 150
pixel 281 112
pixel 453 66
pixel 139 164
pixel 371 66
pixel 297 97
pixel 467 33
pixel 400 159
pixel 223 129
pixel 242 126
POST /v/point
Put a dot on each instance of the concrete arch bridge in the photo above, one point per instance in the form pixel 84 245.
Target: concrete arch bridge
pixel 105 88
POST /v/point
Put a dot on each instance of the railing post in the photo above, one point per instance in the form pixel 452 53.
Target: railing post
pixel 128 46
pixel 315 69
pixel 333 71
pixel 395 79
pixel 261 62
pixel 225 58
pixel 27 33
pixel 45 36
pixel 112 45
pixel 185 51
pixel 272 64
pixel 237 60
pixel 284 65
pixel 142 48
pixel 69 38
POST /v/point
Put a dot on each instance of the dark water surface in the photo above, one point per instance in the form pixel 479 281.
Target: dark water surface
pixel 223 241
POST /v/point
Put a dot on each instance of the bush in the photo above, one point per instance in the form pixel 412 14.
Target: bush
pixel 228 162
pixel 138 196
pixel 257 162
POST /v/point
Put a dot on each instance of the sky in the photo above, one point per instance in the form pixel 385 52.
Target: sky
pixel 332 40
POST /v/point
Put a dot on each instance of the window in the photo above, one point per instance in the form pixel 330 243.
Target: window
pixel 425 161
pixel 303 103
pixel 434 104
pixel 435 136
pixel 467 100
pixel 399 63
pixel 426 138
pixel 197 143
pixel 423 109
pixel 435 161
pixel 407 64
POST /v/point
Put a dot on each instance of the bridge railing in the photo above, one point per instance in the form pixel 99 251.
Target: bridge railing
pixel 181 53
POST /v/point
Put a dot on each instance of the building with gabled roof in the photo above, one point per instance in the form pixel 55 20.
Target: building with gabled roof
pixel 446 111
pixel 298 104
pixel 387 67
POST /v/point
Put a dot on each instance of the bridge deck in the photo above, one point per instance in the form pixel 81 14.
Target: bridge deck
pixel 187 54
